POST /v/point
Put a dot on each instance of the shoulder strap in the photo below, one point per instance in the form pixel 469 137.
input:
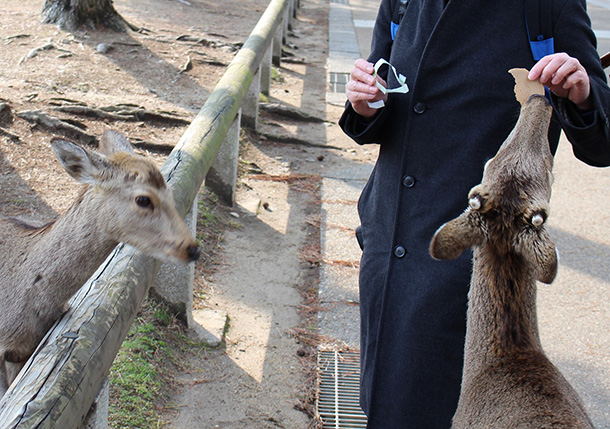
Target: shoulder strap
pixel 399 12
pixel 539 22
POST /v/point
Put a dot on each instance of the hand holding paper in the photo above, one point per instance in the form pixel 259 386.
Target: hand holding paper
pixel 402 88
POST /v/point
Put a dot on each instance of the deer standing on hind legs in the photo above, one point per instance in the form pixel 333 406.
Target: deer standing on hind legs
pixel 124 199
pixel 508 382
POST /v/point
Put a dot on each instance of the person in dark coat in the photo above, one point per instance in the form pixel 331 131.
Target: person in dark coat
pixel 434 141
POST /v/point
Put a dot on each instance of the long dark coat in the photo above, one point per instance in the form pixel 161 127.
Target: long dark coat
pixel 434 142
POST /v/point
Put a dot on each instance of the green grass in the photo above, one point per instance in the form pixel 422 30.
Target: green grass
pixel 139 376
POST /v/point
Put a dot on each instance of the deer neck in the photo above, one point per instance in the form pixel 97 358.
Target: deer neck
pixel 501 310
pixel 67 252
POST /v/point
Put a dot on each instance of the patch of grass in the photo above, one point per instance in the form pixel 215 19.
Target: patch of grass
pixel 140 378
pixel 276 75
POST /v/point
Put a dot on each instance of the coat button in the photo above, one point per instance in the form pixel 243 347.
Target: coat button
pixel 419 107
pixel 400 251
pixel 408 181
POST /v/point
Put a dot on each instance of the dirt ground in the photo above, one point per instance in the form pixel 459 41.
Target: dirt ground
pixel 149 85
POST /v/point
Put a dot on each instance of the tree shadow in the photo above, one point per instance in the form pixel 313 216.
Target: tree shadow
pixel 581 254
pixel 18 198
pixel 161 78
pixel 590 381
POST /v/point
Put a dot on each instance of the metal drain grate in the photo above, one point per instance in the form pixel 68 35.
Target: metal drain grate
pixel 338 398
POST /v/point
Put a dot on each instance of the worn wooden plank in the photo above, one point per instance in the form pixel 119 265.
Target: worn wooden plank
pixel 61 380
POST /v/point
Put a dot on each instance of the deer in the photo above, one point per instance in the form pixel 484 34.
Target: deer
pixel 123 198
pixel 508 381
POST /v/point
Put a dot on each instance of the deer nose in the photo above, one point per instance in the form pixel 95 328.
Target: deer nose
pixel 193 252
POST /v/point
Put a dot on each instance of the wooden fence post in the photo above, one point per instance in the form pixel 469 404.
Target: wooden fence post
pixel 174 283
pixel 98 413
pixel 285 25
pixel 277 46
pixel 265 70
pixel 291 13
pixel 222 175
pixel 249 107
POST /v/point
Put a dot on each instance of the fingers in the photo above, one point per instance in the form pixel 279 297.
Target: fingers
pixel 555 69
pixel 361 88
pixel 564 76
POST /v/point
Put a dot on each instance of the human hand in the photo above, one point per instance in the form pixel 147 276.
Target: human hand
pixel 565 77
pixel 361 88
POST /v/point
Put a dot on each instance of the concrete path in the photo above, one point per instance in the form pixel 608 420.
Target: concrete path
pixel 350 31
pixel 574 312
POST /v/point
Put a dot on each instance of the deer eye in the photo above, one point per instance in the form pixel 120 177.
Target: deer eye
pixel 538 218
pixel 144 202
pixel 476 202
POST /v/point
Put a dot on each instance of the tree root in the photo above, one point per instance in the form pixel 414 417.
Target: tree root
pixel 207 59
pixel 121 112
pixel 46 47
pixel 296 141
pixel 287 112
pixel 212 43
pixel 15 138
pixel 55 124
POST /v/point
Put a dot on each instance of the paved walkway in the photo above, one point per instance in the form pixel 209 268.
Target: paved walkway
pixel 574 312
pixel 349 39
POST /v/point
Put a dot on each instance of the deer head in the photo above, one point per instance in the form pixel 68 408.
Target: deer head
pixel 508 210
pixel 128 197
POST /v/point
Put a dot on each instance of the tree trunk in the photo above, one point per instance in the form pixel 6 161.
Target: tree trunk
pixel 69 15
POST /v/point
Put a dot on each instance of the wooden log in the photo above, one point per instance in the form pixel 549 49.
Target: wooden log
pixel 61 380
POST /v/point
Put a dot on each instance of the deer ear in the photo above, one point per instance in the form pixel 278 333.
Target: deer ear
pixel 83 165
pixel 451 239
pixel 112 142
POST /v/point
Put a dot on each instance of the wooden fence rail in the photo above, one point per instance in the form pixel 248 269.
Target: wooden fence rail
pixel 62 379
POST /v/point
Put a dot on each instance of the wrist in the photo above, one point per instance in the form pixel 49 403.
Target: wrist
pixel 585 106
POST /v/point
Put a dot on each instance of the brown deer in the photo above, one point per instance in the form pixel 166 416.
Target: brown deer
pixel 508 382
pixel 124 199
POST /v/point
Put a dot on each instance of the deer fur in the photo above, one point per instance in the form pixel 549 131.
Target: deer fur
pixel 124 199
pixel 508 382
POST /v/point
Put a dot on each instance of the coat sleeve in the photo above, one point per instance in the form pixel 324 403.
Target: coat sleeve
pixel 588 133
pixel 355 126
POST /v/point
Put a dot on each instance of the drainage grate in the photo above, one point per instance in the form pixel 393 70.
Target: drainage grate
pixel 338 398
pixel 338 81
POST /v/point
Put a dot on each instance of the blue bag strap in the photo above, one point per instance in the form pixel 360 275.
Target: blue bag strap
pixel 539 25
pixel 399 12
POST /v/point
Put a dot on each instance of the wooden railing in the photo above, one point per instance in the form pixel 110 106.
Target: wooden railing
pixel 60 382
